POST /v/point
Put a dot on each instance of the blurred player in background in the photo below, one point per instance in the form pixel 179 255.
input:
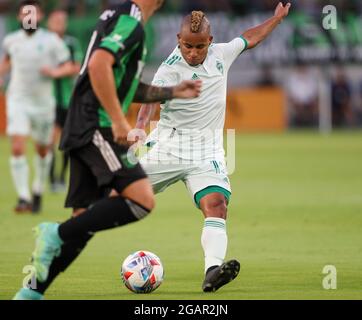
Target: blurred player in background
pixel 96 136
pixel 63 87
pixel 188 141
pixel 35 57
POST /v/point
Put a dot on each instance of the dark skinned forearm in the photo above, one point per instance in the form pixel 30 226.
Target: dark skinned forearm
pixel 148 94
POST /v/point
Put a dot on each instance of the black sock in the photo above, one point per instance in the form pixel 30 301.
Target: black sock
pixel 69 252
pixel 52 169
pixel 64 167
pixel 105 214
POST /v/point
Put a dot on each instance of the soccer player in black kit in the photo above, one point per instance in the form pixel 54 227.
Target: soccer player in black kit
pixel 95 135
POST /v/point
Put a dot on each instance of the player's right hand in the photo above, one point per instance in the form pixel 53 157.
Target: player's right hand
pixel 188 89
pixel 120 132
pixel 282 11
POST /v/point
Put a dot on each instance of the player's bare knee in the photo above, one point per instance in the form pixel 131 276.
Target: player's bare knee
pixel 17 148
pixel 17 151
pixel 215 208
pixel 42 151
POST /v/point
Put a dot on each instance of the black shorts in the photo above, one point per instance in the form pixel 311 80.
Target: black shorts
pixel 60 116
pixel 99 167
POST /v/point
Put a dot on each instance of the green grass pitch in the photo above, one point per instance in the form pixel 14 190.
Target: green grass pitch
pixel 296 207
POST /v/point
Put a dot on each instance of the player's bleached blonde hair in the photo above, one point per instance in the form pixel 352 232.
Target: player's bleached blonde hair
pixel 197 22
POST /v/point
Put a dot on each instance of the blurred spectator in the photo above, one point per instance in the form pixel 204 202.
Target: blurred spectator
pixel 342 114
pixel 302 89
pixel 5 5
pixel 267 79
pixel 205 5
pixel 310 7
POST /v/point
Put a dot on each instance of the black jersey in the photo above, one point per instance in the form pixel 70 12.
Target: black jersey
pixel 119 31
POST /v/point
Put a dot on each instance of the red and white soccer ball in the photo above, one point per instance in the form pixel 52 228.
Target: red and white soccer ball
pixel 142 272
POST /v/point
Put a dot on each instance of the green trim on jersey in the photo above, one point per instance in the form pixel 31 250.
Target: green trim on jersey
pixel 211 189
pixel 246 43
pixel 134 86
pixel 104 118
pixel 123 29
pixel 172 60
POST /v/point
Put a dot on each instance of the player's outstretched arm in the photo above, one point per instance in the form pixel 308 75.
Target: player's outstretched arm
pixel 257 34
pixel 187 89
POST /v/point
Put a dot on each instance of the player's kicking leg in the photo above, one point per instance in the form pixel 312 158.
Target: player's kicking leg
pixel 93 173
pixel 214 242
pixel 210 189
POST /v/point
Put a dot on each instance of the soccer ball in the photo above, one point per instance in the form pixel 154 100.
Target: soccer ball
pixel 142 272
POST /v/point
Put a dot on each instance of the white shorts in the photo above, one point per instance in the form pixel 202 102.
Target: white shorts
pixel 200 179
pixel 23 121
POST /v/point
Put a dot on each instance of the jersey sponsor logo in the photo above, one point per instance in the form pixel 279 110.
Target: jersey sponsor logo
pixel 117 39
pixel 220 67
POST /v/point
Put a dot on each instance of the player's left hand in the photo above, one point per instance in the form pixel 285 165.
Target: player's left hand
pixel 282 11
pixel 48 72
pixel 188 89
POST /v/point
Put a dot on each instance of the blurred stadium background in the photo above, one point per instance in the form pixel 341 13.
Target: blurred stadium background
pixel 302 76
pixel 297 199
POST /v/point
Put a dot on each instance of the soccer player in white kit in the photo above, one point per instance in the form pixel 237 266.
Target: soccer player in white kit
pixel 188 141
pixel 35 57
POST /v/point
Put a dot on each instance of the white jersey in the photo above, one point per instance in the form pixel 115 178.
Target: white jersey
pixel 28 54
pixel 193 128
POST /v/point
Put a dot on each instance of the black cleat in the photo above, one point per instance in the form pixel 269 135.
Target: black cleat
pixel 37 203
pixel 23 206
pixel 221 275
